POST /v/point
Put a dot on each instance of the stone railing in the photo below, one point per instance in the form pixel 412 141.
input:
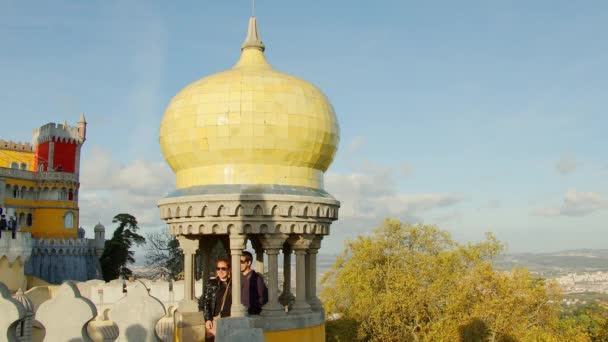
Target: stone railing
pixel 50 176
pixel 68 315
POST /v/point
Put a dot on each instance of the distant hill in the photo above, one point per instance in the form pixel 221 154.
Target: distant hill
pixel 557 263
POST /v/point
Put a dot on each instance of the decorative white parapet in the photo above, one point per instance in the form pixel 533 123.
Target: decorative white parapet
pixel 19 248
pixel 67 303
pixel 11 313
pixel 136 314
pixel 68 312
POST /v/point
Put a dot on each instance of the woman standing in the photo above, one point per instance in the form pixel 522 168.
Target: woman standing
pixel 217 299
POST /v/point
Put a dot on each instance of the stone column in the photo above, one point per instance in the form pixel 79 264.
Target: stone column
pixel 189 247
pixel 273 243
pixel 287 298
pixel 311 274
pixel 237 244
pixel 49 166
pixel 300 244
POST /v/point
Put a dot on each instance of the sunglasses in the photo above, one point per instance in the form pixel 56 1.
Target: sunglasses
pixel 243 261
pixel 221 268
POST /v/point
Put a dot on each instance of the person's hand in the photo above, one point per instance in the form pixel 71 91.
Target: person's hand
pixel 209 325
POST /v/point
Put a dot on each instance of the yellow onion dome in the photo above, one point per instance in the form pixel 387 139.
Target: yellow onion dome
pixel 249 125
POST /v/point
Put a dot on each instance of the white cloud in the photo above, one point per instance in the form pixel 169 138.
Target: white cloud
pixel 373 195
pixel 566 164
pixel 109 188
pixel 575 203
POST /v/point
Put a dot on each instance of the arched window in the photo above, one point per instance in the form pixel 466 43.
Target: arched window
pixel 14 165
pixel 68 220
pixel 70 195
pixel 63 195
pixel 41 167
pixel 21 220
pixel 15 191
pixel 23 166
pixel 23 191
pixel 29 220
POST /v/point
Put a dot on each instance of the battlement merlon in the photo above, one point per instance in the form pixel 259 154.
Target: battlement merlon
pixel 60 132
pixel 16 146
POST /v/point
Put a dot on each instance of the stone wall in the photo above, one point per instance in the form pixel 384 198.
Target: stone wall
pixel 57 260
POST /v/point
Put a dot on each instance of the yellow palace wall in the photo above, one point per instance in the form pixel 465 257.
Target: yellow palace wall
pixel 47 216
pixel 9 156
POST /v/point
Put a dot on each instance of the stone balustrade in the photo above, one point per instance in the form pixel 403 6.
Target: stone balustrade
pixel 50 176
pixel 89 311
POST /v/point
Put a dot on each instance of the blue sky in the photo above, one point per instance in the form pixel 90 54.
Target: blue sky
pixel 473 115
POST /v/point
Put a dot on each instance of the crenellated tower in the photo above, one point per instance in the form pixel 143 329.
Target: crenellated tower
pixel 57 146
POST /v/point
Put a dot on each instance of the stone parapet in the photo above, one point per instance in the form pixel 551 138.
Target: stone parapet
pixel 19 248
pixel 50 176
pixel 16 146
pixel 249 214
pixel 59 132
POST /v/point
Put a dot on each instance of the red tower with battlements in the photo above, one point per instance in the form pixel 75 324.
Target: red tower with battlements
pixel 57 146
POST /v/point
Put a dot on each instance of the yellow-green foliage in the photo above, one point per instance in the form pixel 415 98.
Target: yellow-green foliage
pixel 414 283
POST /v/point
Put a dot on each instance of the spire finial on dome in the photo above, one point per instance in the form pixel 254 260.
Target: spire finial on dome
pixel 253 36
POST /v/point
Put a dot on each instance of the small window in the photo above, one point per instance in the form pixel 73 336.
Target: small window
pixel 14 165
pixel 70 196
pixel 41 167
pixel 23 166
pixel 29 220
pixel 68 220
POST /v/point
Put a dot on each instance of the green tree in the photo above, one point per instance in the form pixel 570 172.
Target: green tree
pixel 163 255
pixel 117 253
pixel 414 283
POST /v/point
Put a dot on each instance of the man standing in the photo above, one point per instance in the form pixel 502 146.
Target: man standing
pixel 254 293
pixel 2 224
pixel 12 225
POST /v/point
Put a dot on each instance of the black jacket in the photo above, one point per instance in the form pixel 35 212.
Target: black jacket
pixel 206 303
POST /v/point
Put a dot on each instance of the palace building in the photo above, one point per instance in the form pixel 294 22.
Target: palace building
pixel 39 181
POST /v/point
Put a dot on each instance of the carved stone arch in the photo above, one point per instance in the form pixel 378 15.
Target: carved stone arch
pixel 180 229
pixel 314 229
pixel 318 212
pixel 220 210
pixel 257 211
pixel 177 212
pixel 233 229
pixel 189 212
pixel 264 228
pixel 275 210
pixel 201 228
pixel 169 212
pixel 190 229
pixel 304 211
pixel 293 228
pixel 239 211
pixel 305 228
pixel 204 211
pixel 290 211
pixel 275 228
pixel 206 229
pixel 255 229
pixel 327 212
pixel 216 229
pixel 247 229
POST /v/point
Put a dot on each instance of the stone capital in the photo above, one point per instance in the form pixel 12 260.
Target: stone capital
pixel 300 241
pixel 237 242
pixel 273 241
pixel 315 245
pixel 188 246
